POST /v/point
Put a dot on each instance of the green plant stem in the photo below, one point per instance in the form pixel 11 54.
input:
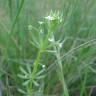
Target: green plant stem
pixel 84 83
pixel 17 15
pixel 60 71
pixel 10 8
pixel 36 63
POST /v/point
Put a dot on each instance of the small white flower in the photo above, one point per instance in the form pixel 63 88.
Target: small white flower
pixel 43 66
pixel 60 20
pixel 51 39
pixel 49 18
pixel 40 22
pixel 60 45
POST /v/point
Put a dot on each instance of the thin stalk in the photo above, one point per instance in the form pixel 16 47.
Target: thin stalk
pixel 84 83
pixel 36 63
pixel 10 8
pixel 60 71
pixel 17 15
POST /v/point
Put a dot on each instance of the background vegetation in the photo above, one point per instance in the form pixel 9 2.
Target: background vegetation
pixel 19 31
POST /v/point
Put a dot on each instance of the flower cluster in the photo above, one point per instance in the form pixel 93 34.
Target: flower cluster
pixel 53 20
pixel 54 16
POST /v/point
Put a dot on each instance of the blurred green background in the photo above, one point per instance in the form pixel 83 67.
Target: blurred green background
pixel 78 27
